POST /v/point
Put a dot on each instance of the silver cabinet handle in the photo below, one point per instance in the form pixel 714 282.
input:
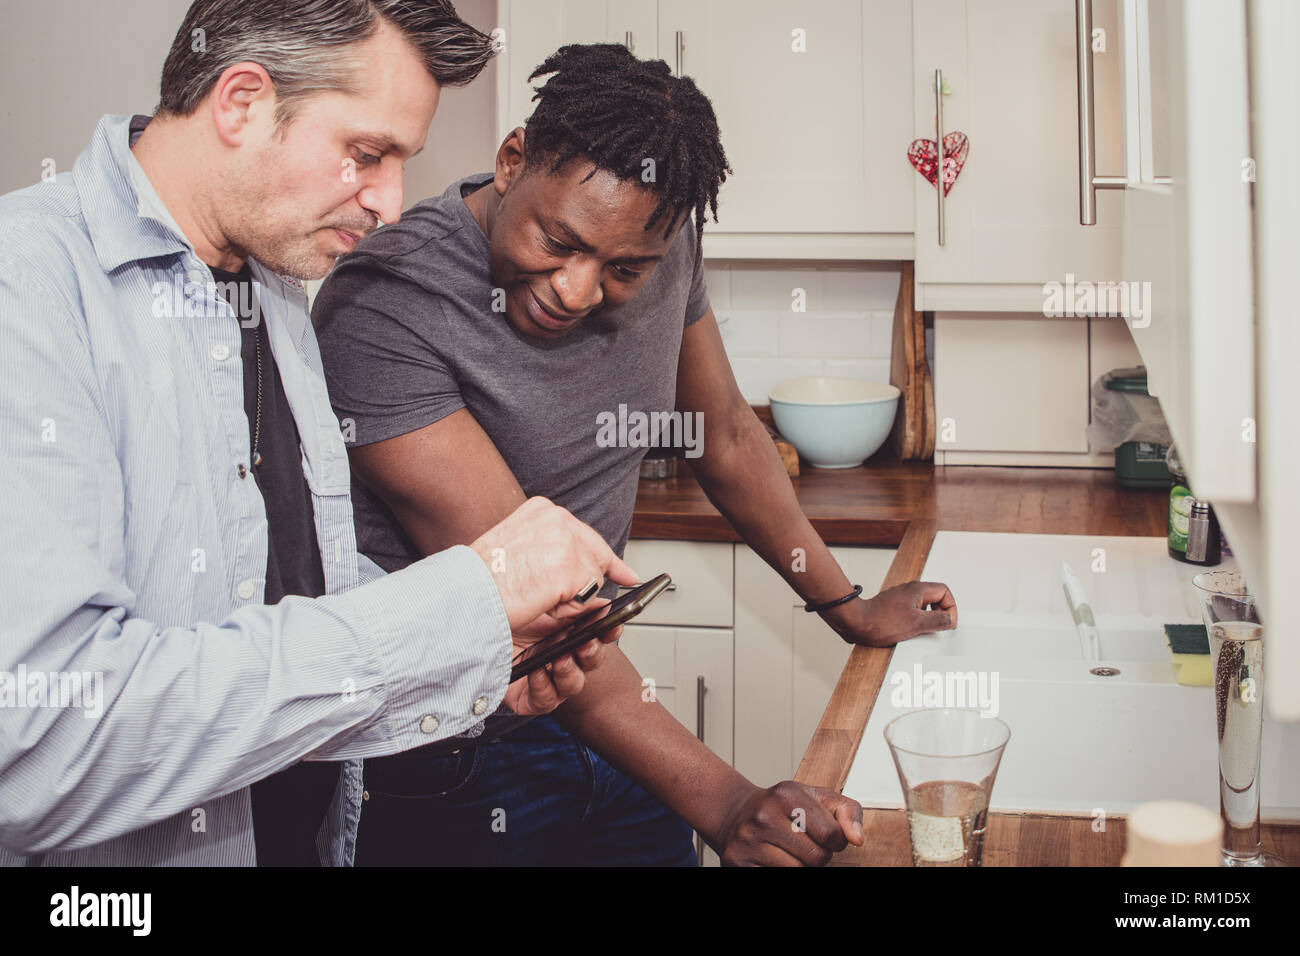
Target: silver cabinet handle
pixel 1087 148
pixel 700 691
pixel 679 44
pixel 1089 181
pixel 627 41
pixel 938 142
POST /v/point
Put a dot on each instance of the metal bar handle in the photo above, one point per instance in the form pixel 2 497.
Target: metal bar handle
pixel 627 41
pixel 700 691
pixel 679 45
pixel 1087 145
pixel 938 141
pixel 1089 181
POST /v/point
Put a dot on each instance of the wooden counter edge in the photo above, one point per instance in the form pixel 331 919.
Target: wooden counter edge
pixel 827 760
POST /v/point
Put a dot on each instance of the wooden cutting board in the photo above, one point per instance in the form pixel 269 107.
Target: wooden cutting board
pixel 913 433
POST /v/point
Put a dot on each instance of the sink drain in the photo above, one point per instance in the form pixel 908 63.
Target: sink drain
pixel 1104 671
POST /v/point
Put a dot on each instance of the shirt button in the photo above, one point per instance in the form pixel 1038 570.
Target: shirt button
pixel 428 724
pixel 197 277
pixel 480 707
pixel 246 589
pixel 242 469
pixel 220 352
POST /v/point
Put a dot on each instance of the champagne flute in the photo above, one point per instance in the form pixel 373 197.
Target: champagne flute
pixel 1237 660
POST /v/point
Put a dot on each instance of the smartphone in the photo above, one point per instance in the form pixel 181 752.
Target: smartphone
pixel 572 636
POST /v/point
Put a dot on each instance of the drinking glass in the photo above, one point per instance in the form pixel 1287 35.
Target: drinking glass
pixel 947 758
pixel 1237 662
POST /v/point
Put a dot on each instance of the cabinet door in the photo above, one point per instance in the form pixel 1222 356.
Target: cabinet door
pixel 1275 90
pixel 1010 383
pixel 691 668
pixel 701 592
pixel 1012 217
pixel 812 103
pixel 1191 243
pixel 537 28
pixel 787 661
pixel 819 654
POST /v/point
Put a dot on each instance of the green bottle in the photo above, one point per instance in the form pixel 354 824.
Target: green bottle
pixel 1180 506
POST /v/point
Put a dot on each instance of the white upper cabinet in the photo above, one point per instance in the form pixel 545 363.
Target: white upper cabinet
pixel 1012 219
pixel 813 101
pixel 1190 240
pixel 534 29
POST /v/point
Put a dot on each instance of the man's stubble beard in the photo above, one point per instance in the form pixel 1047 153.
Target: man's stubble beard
pixel 291 253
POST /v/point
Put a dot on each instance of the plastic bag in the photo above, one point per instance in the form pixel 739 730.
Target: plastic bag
pixel 1119 417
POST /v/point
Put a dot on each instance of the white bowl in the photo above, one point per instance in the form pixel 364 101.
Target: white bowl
pixel 834 422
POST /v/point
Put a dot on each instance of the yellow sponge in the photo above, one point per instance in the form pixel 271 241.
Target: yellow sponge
pixel 1189 646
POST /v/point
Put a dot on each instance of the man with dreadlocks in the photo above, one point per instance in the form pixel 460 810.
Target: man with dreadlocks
pixel 472 352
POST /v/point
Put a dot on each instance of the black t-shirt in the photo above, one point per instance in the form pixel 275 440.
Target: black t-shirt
pixel 288 807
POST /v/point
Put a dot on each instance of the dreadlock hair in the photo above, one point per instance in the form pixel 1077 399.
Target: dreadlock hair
pixel 603 104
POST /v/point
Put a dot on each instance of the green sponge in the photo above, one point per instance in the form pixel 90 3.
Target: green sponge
pixel 1189 645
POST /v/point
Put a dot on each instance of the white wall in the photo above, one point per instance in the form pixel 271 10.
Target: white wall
pixel 65 63
pixel 846 331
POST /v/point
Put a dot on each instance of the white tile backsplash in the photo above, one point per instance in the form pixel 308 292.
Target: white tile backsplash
pixel 846 328
pixel 882 333
pixel 825 335
pixel 756 376
pixel 872 370
pixel 750 334
pixel 767 289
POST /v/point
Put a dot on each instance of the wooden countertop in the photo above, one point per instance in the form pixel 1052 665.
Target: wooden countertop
pixel 903 504
pixel 856 506
pixel 875 504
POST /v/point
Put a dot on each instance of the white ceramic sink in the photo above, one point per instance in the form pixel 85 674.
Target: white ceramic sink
pixel 1080 743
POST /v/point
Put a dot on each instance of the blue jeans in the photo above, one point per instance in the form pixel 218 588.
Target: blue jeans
pixel 536 797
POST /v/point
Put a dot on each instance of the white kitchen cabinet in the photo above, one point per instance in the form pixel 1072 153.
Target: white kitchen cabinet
pixel 768 678
pixel 683 641
pixel 701 592
pixel 534 29
pixel 1218 245
pixel 787 661
pixel 1011 220
pixel 1191 242
pixel 1014 389
pixel 1275 89
pixel 1009 383
pixel 813 101
pixel 689 671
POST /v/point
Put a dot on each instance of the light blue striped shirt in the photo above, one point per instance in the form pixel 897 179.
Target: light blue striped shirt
pixel 133 554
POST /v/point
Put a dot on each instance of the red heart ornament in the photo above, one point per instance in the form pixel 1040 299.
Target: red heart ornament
pixel 924 157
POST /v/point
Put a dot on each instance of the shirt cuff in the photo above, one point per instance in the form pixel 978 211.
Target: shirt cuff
pixel 443 643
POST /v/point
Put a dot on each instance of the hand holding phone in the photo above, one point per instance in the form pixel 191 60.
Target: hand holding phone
pixel 588 627
pixel 536 688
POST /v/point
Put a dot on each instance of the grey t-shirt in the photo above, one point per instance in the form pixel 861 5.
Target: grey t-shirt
pixel 408 336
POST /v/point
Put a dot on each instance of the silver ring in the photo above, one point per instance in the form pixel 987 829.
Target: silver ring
pixel 588 592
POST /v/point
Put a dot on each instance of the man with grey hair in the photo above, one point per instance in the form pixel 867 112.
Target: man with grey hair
pixel 177 517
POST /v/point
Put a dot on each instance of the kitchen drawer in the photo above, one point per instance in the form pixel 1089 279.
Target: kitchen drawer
pixel 701 594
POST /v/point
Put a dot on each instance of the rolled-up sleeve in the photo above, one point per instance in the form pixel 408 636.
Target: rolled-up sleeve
pixel 177 715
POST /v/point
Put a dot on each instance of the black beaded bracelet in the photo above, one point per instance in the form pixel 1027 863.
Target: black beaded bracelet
pixel 814 608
